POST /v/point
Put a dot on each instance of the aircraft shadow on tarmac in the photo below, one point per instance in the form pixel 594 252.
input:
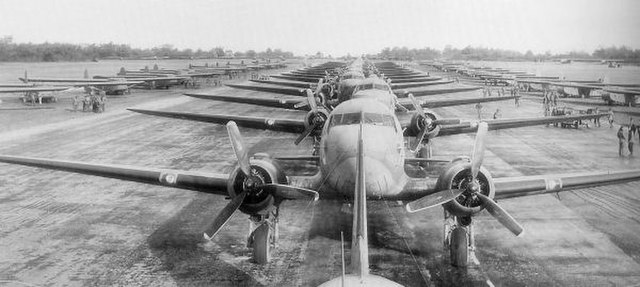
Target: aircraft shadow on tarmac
pixel 178 244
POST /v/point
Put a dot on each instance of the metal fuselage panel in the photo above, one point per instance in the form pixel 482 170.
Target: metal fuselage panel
pixel 383 149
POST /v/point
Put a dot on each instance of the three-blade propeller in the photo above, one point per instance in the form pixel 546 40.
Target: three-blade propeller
pixel 473 188
pixel 252 184
pixel 316 118
pixel 427 124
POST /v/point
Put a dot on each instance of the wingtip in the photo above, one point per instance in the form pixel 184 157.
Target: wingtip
pixel 207 237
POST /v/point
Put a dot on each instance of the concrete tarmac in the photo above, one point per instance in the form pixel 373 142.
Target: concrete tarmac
pixel 58 228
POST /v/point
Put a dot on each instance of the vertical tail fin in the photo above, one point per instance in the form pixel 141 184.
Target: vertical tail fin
pixel 359 240
pixel 26 78
pixel 86 73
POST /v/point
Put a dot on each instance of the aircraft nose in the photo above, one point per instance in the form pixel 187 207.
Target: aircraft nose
pixel 378 178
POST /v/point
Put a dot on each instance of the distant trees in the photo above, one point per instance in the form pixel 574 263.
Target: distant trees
pixel 54 52
pixel 481 53
pixel 621 53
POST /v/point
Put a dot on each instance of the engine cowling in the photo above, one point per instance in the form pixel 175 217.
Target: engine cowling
pixel 419 122
pixel 319 116
pixel 257 201
pixel 457 175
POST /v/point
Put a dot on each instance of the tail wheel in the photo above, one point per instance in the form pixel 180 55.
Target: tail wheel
pixel 459 247
pixel 262 244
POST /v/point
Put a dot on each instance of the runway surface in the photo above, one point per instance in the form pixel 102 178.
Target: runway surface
pixel 58 228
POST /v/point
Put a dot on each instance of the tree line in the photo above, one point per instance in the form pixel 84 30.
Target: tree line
pixel 55 52
pixel 480 53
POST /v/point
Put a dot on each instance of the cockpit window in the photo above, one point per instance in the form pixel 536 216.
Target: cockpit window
pixel 372 86
pixel 375 119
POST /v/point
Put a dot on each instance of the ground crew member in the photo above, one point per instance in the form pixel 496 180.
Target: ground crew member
pixel 630 141
pixel 479 109
pixel 103 101
pixel 621 141
pixel 610 118
pixel 76 103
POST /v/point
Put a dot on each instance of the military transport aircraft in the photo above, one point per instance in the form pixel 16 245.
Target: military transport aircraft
pixel 109 86
pixel 33 94
pixel 361 158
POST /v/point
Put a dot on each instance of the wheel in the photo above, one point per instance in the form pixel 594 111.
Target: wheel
pixel 261 244
pixel 459 247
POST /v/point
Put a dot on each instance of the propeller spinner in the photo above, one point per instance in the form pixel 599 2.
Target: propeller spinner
pixel 252 184
pixel 472 190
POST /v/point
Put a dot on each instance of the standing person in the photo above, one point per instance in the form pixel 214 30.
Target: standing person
pixel 497 114
pixel 621 141
pixel 630 138
pixel 103 101
pixel 610 118
pixel 76 103
pixel 479 109
pixel 596 121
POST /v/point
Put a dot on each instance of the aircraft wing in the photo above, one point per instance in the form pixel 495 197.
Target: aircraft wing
pixel 419 84
pixel 198 181
pixel 453 102
pixel 509 187
pixel 499 124
pixel 281 125
pixel 270 89
pixel 295 84
pixel 33 89
pixel 267 102
pixel 418 92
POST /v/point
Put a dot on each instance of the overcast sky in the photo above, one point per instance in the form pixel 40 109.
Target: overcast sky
pixel 335 27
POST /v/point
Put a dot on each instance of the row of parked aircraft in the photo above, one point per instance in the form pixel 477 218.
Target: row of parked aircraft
pixel 126 79
pixel 612 93
pixel 359 124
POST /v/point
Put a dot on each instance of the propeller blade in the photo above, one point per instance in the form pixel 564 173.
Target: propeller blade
pixel 312 100
pixel 416 105
pixel 434 199
pixel 238 147
pixel 318 87
pixel 478 149
pixel 304 135
pixel 291 192
pixel 419 138
pixel 224 216
pixel 501 215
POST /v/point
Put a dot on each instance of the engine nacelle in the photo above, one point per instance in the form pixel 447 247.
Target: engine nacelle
pixel 312 117
pixel 418 122
pixel 258 202
pixel 457 175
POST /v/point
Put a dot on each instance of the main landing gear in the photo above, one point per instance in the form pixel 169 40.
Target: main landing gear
pixel 459 239
pixel 263 237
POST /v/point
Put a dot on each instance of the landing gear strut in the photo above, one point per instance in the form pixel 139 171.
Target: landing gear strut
pixel 264 236
pixel 459 239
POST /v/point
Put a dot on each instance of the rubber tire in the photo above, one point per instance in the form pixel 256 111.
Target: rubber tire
pixel 262 244
pixel 458 247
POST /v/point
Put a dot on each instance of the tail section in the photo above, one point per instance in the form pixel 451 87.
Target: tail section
pixel 360 241
pixel 86 73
